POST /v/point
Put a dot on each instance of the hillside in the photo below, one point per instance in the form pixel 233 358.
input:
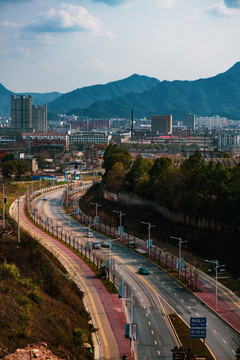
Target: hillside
pixel 83 97
pixel 37 301
pixel 216 95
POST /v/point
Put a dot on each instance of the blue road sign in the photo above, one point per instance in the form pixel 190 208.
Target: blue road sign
pixel 197 333
pixel 198 322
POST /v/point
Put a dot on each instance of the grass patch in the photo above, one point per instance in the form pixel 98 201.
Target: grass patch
pixel 197 346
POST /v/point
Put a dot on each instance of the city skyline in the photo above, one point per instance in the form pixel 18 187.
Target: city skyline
pixel 60 46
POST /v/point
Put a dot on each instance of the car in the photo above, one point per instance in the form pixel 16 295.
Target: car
pixel 96 245
pixel 143 271
pixel 44 198
pixel 106 244
pixel 90 234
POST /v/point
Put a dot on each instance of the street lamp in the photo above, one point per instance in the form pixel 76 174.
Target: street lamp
pixel 149 235
pixel 110 256
pixel 96 207
pixel 120 217
pixel 180 242
pixel 217 266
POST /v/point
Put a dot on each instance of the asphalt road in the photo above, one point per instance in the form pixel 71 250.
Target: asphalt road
pixel 164 295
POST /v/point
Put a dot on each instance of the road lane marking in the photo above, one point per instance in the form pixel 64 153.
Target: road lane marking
pixel 224 341
pixel 152 332
pixel 182 300
pixel 197 314
pixel 147 314
pixel 159 352
pixel 214 331
pixel 149 323
pixel 155 342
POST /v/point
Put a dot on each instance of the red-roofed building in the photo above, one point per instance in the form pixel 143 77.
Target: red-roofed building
pixel 42 139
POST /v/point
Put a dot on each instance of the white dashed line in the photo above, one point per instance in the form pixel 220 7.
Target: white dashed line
pixel 155 342
pixel 182 300
pixel 142 300
pixel 152 332
pixel 169 288
pixel 214 331
pixel 189 307
pixel 157 277
pixel 197 314
pixel 159 352
pixel 146 314
pixel 224 341
pixel 149 323
pixel 163 282
pixel 175 294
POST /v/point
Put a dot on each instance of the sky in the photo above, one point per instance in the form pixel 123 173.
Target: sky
pixel 55 45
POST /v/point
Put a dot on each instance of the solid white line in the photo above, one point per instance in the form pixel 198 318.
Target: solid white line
pixel 189 307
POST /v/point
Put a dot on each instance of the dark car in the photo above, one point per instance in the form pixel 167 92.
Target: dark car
pixel 143 271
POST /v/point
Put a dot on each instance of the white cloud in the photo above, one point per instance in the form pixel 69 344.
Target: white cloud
pixel 8 24
pixel 100 65
pixel 68 18
pixel 17 53
pixel 221 9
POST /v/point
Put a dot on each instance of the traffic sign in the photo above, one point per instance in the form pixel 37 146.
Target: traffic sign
pixel 197 333
pixel 198 322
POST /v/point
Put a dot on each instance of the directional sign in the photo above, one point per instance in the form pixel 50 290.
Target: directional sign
pixel 198 322
pixel 198 333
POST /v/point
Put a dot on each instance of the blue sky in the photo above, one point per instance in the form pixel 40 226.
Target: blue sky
pixel 54 45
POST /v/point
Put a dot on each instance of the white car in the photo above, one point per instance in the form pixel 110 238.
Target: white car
pixel 90 234
pixel 44 198
pixel 106 244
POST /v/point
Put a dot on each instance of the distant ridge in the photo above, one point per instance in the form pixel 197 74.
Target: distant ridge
pixel 83 97
pixel 219 94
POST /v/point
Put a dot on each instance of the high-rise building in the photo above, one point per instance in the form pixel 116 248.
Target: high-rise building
pixel 39 118
pixel 189 121
pixel 25 116
pixel 161 124
pixel 21 112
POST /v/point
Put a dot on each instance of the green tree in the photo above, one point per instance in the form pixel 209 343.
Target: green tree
pixel 22 167
pixel 138 175
pixel 8 168
pixel 161 166
pixel 114 154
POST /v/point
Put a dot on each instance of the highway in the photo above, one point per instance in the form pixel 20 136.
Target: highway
pixel 154 295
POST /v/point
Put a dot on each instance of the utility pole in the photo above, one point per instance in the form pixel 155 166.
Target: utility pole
pixel 120 217
pixel 96 207
pixel 180 242
pixel 217 266
pixel 149 235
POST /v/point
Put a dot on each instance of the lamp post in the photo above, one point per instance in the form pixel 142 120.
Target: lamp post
pixel 180 242
pixel 149 234
pixel 96 207
pixel 217 266
pixel 3 207
pixel 110 256
pixel 120 217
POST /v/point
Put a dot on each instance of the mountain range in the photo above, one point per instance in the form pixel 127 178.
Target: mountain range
pixel 146 96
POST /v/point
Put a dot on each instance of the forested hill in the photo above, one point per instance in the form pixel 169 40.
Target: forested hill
pixel 83 97
pixel 216 95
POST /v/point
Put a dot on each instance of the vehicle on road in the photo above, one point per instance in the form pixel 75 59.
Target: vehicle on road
pixel 143 271
pixel 44 198
pixel 106 244
pixel 90 234
pixel 96 245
